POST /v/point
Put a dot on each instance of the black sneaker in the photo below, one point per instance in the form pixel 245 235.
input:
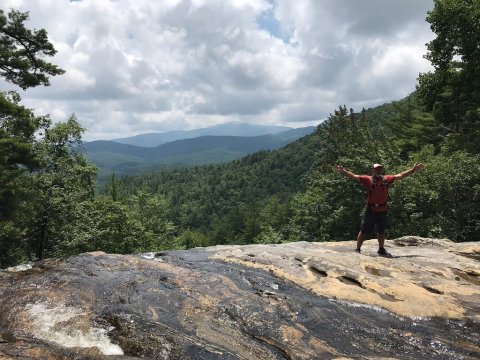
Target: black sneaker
pixel 383 252
pixel 358 251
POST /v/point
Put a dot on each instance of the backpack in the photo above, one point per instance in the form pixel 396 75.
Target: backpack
pixel 374 184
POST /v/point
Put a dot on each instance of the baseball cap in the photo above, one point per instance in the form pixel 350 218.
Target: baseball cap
pixel 377 166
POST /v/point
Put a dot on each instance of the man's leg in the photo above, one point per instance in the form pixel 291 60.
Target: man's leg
pixel 381 226
pixel 367 226
pixel 381 240
pixel 360 239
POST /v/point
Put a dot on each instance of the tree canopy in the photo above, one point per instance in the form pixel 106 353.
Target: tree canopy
pixel 452 90
pixel 22 52
pixel 21 62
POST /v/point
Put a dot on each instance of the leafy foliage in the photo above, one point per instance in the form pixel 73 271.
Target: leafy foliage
pixel 408 125
pixel 17 129
pixel 22 52
pixel 452 91
pixel 442 201
pixel 21 62
pixel 63 180
pixel 104 225
pixel 229 203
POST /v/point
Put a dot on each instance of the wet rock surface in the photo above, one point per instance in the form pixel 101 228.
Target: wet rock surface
pixel 290 301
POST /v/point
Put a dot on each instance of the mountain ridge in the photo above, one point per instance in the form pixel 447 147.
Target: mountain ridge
pixel 228 129
pixel 119 157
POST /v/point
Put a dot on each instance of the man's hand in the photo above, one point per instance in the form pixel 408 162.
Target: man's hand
pixel 418 167
pixel 415 168
pixel 345 172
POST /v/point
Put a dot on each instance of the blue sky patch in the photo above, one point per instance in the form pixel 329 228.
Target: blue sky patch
pixel 268 22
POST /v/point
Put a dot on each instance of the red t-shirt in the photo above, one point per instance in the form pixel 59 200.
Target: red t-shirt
pixel 379 196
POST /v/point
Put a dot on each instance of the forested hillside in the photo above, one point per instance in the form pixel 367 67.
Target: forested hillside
pixel 228 203
pixel 294 193
pixel 50 207
pixel 110 156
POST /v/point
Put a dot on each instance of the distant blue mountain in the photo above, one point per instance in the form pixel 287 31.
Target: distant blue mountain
pixel 112 156
pixel 228 129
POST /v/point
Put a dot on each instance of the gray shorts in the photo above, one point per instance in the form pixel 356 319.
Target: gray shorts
pixel 371 218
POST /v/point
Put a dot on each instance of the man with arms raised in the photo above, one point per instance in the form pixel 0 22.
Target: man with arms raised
pixel 376 188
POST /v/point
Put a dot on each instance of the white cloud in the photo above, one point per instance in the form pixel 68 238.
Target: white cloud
pixel 138 66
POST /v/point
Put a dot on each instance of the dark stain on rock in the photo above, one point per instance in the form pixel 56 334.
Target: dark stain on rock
pixel 407 241
pixel 432 290
pixel 437 273
pixel 318 272
pixel 388 297
pixel 6 336
pixel 469 276
pixel 349 280
pixel 377 272
pixel 474 256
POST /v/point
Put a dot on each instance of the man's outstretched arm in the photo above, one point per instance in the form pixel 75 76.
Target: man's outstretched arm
pixel 345 172
pixel 415 168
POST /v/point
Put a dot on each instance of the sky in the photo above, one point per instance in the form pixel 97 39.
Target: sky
pixel 140 66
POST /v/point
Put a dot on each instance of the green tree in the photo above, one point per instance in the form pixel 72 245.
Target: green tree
pixel 102 224
pixel 410 126
pixel 452 91
pixel 22 62
pixel 190 239
pixel 152 212
pixel 442 201
pixel 63 180
pixel 22 52
pixel 17 129
pixel 347 136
